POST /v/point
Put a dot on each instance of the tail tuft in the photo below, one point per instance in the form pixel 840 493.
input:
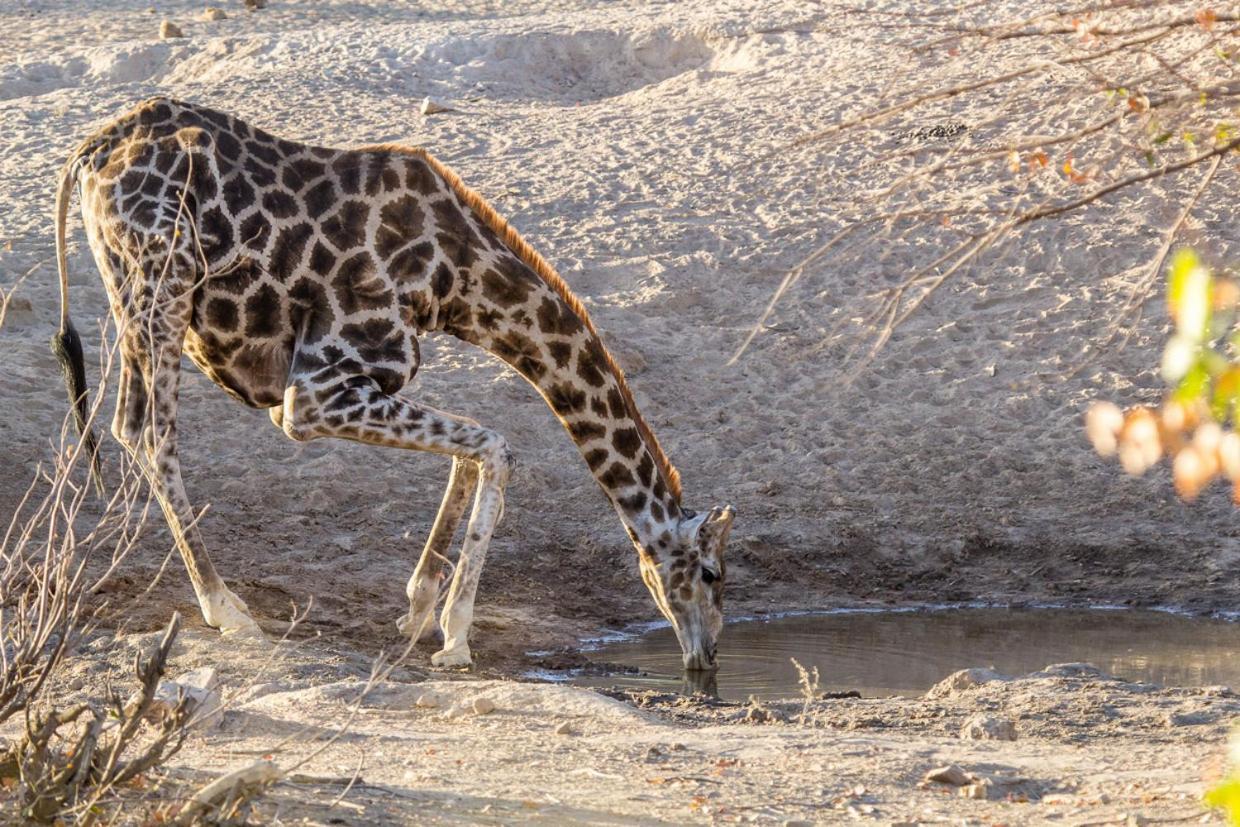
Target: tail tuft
pixel 68 349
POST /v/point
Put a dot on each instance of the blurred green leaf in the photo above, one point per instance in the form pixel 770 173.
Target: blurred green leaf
pixel 1189 292
pixel 1194 384
pixel 1179 356
pixel 1226 795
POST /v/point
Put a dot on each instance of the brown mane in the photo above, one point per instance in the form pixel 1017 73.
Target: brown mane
pixel 519 246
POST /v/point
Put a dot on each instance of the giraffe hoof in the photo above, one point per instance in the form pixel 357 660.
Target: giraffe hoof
pixel 449 658
pixel 418 629
pixel 229 614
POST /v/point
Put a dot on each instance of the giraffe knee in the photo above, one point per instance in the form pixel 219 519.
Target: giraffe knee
pixel 497 459
pixel 297 417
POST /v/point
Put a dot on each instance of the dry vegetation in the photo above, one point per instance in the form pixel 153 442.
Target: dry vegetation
pixel 1109 97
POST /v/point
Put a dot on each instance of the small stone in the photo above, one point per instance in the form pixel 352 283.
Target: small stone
pixel 1175 719
pixel 200 690
pixel 430 107
pixel 427 701
pixel 979 791
pixel 483 706
pixel 983 727
pixel 169 30
pixel 798 823
pixel 252 5
pixel 214 13
pixel 1071 670
pixel 964 680
pixel 951 774
pixel 564 729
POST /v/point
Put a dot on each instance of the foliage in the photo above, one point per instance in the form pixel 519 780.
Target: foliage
pixel 1194 428
pixel 1226 793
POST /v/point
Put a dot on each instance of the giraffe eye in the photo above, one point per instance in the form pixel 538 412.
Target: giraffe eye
pixel 708 576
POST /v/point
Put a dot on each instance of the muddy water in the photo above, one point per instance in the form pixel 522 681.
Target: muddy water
pixel 905 653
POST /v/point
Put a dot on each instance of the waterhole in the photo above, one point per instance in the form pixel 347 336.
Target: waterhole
pixel 907 652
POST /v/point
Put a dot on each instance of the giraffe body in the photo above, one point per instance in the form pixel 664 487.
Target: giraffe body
pixel 299 279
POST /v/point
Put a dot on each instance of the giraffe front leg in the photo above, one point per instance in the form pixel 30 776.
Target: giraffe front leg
pixel 354 407
pixel 458 610
pixel 423 588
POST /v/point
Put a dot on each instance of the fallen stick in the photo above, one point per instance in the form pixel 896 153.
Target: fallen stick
pixel 258 774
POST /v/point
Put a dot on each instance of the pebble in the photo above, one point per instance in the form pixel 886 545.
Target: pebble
pixel 427 701
pixel 951 774
pixel 979 791
pixel 214 13
pixel 983 727
pixel 1175 719
pixel 201 690
pixel 169 30
pixel 255 4
pixel 564 729
pixel 483 706
pixel 430 107
pixel 962 681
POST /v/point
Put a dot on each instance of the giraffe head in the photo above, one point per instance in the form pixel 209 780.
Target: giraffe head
pixel 688 586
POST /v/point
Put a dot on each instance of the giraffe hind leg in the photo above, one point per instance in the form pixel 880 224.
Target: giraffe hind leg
pixel 152 333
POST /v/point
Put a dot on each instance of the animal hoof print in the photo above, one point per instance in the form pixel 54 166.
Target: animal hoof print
pixel 456 658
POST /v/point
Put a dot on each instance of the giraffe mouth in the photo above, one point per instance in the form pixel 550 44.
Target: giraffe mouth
pixel 702 657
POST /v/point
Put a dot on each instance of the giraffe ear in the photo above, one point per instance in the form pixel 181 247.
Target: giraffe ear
pixel 713 532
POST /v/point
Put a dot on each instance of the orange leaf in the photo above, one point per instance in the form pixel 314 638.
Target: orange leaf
pixel 1206 19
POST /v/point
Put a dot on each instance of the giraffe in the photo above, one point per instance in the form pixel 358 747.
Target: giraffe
pixel 299 278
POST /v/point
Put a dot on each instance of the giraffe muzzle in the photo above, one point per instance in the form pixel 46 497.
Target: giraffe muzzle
pixel 699 656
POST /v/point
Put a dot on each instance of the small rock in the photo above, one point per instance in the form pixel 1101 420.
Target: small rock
pixel 255 4
pixel 427 701
pixel 983 727
pixel 483 706
pixel 951 774
pixel 1189 718
pixel 169 30
pixel 214 13
pixel 1070 670
pixel 979 791
pixel 430 107
pixel 564 729
pixel 962 681
pixel 201 690
pixel 798 823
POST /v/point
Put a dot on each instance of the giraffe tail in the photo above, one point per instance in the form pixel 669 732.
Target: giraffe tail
pixel 66 344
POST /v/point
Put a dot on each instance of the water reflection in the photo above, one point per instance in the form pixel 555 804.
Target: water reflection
pixel 904 653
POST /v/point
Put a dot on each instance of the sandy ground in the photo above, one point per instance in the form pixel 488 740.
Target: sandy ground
pixel 1086 748
pixel 632 144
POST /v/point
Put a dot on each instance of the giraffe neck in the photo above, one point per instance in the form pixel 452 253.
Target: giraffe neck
pixel 546 340
pixel 515 305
